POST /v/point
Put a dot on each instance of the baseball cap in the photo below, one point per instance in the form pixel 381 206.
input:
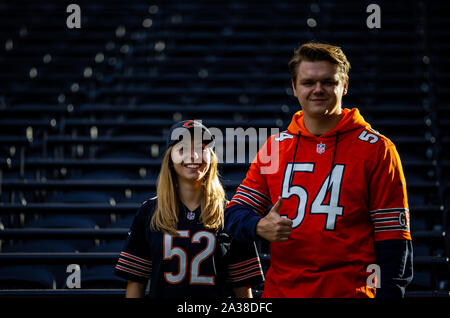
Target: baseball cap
pixel 189 129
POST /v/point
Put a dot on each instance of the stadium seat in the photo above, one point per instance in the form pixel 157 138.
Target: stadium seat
pixel 122 222
pixel 109 246
pixel 62 221
pixel 26 277
pixel 66 221
pixel 39 246
pixel 102 277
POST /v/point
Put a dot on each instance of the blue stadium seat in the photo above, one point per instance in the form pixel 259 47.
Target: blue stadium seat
pixel 122 222
pixel 98 277
pixel 39 246
pixel 62 221
pixel 85 197
pixel 102 277
pixel 422 280
pixel 108 246
pixel 26 277
pixel 67 221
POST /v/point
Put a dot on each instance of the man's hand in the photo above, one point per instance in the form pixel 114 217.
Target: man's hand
pixel 273 227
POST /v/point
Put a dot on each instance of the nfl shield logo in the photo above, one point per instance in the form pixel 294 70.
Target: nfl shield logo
pixel 320 148
pixel 190 215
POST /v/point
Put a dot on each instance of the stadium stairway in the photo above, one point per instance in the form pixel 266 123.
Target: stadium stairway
pixel 84 114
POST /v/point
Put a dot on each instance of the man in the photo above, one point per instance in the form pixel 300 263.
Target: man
pixel 340 207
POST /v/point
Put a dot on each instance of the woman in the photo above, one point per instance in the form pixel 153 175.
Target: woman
pixel 177 239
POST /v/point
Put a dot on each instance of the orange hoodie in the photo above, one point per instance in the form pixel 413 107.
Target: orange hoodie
pixel 343 190
pixel 351 119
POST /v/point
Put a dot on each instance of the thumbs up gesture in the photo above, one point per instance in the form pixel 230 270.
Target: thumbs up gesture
pixel 273 227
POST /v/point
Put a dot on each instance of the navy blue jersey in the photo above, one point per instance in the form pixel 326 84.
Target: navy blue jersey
pixel 196 263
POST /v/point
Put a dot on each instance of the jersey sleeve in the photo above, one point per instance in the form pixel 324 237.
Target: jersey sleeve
pixel 243 264
pixel 135 259
pixel 388 206
pixel 395 258
pixel 251 200
pixel 253 191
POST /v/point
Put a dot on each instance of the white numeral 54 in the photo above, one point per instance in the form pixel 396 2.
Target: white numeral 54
pixel 332 184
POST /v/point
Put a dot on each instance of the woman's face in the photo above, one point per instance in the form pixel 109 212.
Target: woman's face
pixel 190 161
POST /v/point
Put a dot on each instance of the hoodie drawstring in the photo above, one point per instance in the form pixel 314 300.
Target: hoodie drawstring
pixel 332 161
pixel 293 158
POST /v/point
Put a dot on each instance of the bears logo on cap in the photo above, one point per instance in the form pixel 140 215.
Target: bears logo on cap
pixel 192 123
pixel 176 132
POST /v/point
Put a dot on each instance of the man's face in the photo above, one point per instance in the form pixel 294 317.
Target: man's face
pixel 319 88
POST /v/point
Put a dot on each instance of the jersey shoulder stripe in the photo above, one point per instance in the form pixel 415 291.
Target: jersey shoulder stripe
pixel 251 198
pixel 247 276
pixel 243 202
pixel 135 258
pixel 244 270
pixel 394 221
pixel 261 196
pixel 243 263
pixel 131 271
pixel 134 265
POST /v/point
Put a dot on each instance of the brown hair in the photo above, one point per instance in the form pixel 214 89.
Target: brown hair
pixel 314 51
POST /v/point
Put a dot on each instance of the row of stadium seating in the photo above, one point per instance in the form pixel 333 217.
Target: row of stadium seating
pixel 84 114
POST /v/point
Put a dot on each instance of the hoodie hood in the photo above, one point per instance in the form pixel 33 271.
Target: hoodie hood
pixel 351 120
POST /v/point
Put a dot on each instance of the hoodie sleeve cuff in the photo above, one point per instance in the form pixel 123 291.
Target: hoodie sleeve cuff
pixel 240 222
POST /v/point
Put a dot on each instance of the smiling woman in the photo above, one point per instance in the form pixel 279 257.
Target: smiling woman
pixel 177 239
pixel 191 161
pixel 188 173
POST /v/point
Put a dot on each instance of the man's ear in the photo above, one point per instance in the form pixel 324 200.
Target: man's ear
pixel 345 88
pixel 293 87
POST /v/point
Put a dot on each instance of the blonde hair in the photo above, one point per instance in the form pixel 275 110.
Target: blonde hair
pixel 314 51
pixel 165 218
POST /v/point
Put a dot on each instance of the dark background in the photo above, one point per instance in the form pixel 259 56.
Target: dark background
pixel 84 114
